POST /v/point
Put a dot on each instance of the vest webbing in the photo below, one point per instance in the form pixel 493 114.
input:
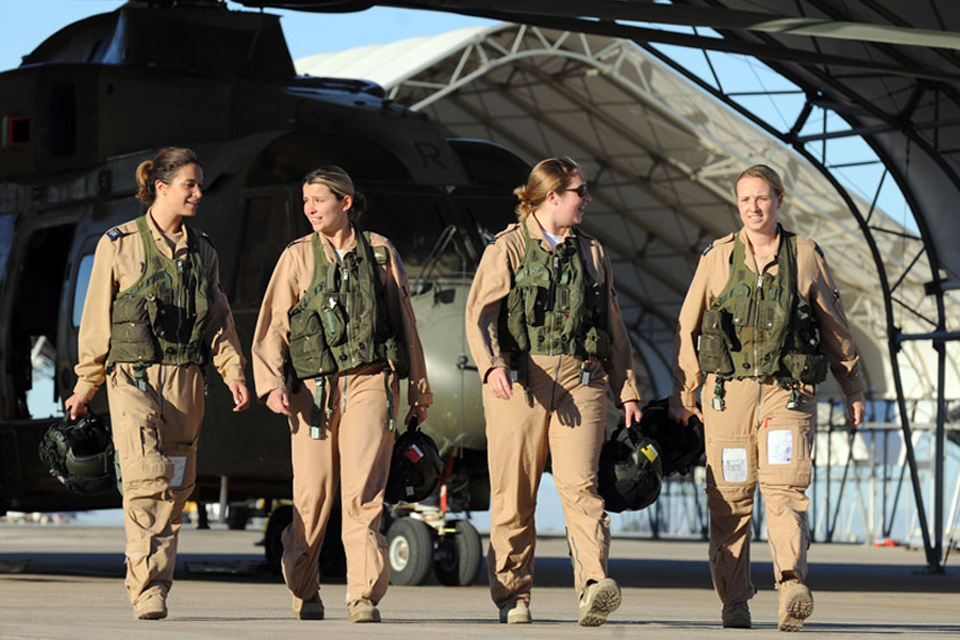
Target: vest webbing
pixel 759 326
pixel 161 317
pixel 554 306
pixel 341 322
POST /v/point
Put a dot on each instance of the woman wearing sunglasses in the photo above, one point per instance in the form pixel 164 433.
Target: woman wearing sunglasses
pixel 546 333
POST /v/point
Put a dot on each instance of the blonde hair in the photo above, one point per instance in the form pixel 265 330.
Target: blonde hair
pixel 763 172
pixel 340 184
pixel 163 168
pixel 552 174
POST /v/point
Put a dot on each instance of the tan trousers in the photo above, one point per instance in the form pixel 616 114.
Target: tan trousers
pixel 355 452
pixel 567 420
pixel 155 433
pixel 756 438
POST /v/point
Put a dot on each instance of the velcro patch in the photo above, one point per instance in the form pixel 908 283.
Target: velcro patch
pixel 734 463
pixel 413 453
pixel 779 446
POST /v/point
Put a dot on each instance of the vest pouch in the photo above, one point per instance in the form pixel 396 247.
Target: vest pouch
pixel 808 368
pixel 395 352
pixel 597 343
pixel 714 356
pixel 334 323
pixel 132 336
pixel 309 353
pixel 535 305
pixel 767 314
pixel 516 319
pixel 742 311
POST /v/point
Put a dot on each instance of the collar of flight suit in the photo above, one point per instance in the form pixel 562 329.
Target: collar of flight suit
pixel 330 253
pixel 537 232
pixel 161 239
pixel 759 265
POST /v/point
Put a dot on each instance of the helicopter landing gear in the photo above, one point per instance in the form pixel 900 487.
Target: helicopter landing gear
pixel 420 537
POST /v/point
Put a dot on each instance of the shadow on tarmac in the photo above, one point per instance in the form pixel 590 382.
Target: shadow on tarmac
pixel 549 572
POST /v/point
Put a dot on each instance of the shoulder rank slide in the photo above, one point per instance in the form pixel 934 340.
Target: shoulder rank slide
pixel 115 234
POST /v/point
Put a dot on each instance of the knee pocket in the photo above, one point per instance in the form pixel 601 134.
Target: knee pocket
pixel 731 463
pixel 784 450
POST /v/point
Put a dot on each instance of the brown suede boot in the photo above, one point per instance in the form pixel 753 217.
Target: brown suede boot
pixel 796 605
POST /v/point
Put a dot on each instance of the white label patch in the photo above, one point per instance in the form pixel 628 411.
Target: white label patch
pixel 779 447
pixel 179 467
pixel 734 465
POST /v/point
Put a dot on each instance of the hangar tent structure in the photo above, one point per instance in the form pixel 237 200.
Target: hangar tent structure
pixel 661 153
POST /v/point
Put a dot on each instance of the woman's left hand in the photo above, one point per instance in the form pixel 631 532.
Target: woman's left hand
pixel 420 413
pixel 631 413
pixel 241 396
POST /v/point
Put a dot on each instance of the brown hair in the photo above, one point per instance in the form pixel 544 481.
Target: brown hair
pixel 340 184
pixel 763 172
pixel 552 174
pixel 163 168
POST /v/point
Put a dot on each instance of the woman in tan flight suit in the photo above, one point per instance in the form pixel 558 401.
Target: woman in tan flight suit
pixel 336 332
pixel 542 312
pixel 759 326
pixel 153 315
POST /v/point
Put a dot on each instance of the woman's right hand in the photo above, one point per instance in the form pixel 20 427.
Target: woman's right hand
pixel 76 405
pixel 279 402
pixel 682 415
pixel 500 384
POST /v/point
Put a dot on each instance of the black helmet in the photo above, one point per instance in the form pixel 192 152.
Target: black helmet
pixel 631 471
pixel 80 454
pixel 415 467
pixel 681 446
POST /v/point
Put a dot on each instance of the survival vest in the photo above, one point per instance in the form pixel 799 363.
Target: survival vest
pixel 161 317
pixel 759 326
pixel 341 321
pixel 554 306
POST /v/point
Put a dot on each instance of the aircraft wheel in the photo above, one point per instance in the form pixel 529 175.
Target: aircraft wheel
pixel 459 556
pixel 409 551
pixel 272 543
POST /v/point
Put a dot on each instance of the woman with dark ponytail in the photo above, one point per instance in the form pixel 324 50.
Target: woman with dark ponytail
pixel 545 330
pixel 154 315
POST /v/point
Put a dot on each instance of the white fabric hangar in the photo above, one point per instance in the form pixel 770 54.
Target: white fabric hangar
pixel 661 156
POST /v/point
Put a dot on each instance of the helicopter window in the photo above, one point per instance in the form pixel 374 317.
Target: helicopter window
pixel 414 221
pixel 265 234
pixel 80 292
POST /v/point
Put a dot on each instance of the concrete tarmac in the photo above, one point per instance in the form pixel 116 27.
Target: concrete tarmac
pixel 65 583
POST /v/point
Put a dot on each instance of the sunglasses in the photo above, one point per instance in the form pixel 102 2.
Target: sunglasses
pixel 581 190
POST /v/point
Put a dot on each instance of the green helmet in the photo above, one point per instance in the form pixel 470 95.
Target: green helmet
pixel 80 455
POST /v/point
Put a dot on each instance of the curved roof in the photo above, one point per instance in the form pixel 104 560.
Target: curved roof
pixel 661 156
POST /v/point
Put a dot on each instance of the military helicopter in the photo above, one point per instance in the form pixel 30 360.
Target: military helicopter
pixel 102 95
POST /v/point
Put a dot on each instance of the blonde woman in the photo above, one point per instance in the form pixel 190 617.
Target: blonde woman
pixel 335 334
pixel 154 315
pixel 545 330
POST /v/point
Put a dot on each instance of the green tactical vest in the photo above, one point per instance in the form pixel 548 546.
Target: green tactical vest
pixel 759 326
pixel 341 322
pixel 554 306
pixel 162 316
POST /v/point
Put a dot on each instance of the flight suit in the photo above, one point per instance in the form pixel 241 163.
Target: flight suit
pixel 356 442
pixel 756 437
pixel 567 419
pixel 155 429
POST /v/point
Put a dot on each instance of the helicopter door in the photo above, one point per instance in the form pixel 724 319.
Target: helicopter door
pixel 38 263
pixel 265 229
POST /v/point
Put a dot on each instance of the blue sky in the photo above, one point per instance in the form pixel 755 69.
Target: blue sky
pixel 24 24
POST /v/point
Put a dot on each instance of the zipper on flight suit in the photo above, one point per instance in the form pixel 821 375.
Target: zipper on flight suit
pixel 180 303
pixel 553 295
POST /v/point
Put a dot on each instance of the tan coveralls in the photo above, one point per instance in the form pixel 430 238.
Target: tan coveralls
pixel 357 443
pixel 567 420
pixel 756 437
pixel 155 432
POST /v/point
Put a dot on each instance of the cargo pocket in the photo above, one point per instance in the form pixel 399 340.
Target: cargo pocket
pixel 784 449
pixel 182 469
pixel 131 338
pixel 730 463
